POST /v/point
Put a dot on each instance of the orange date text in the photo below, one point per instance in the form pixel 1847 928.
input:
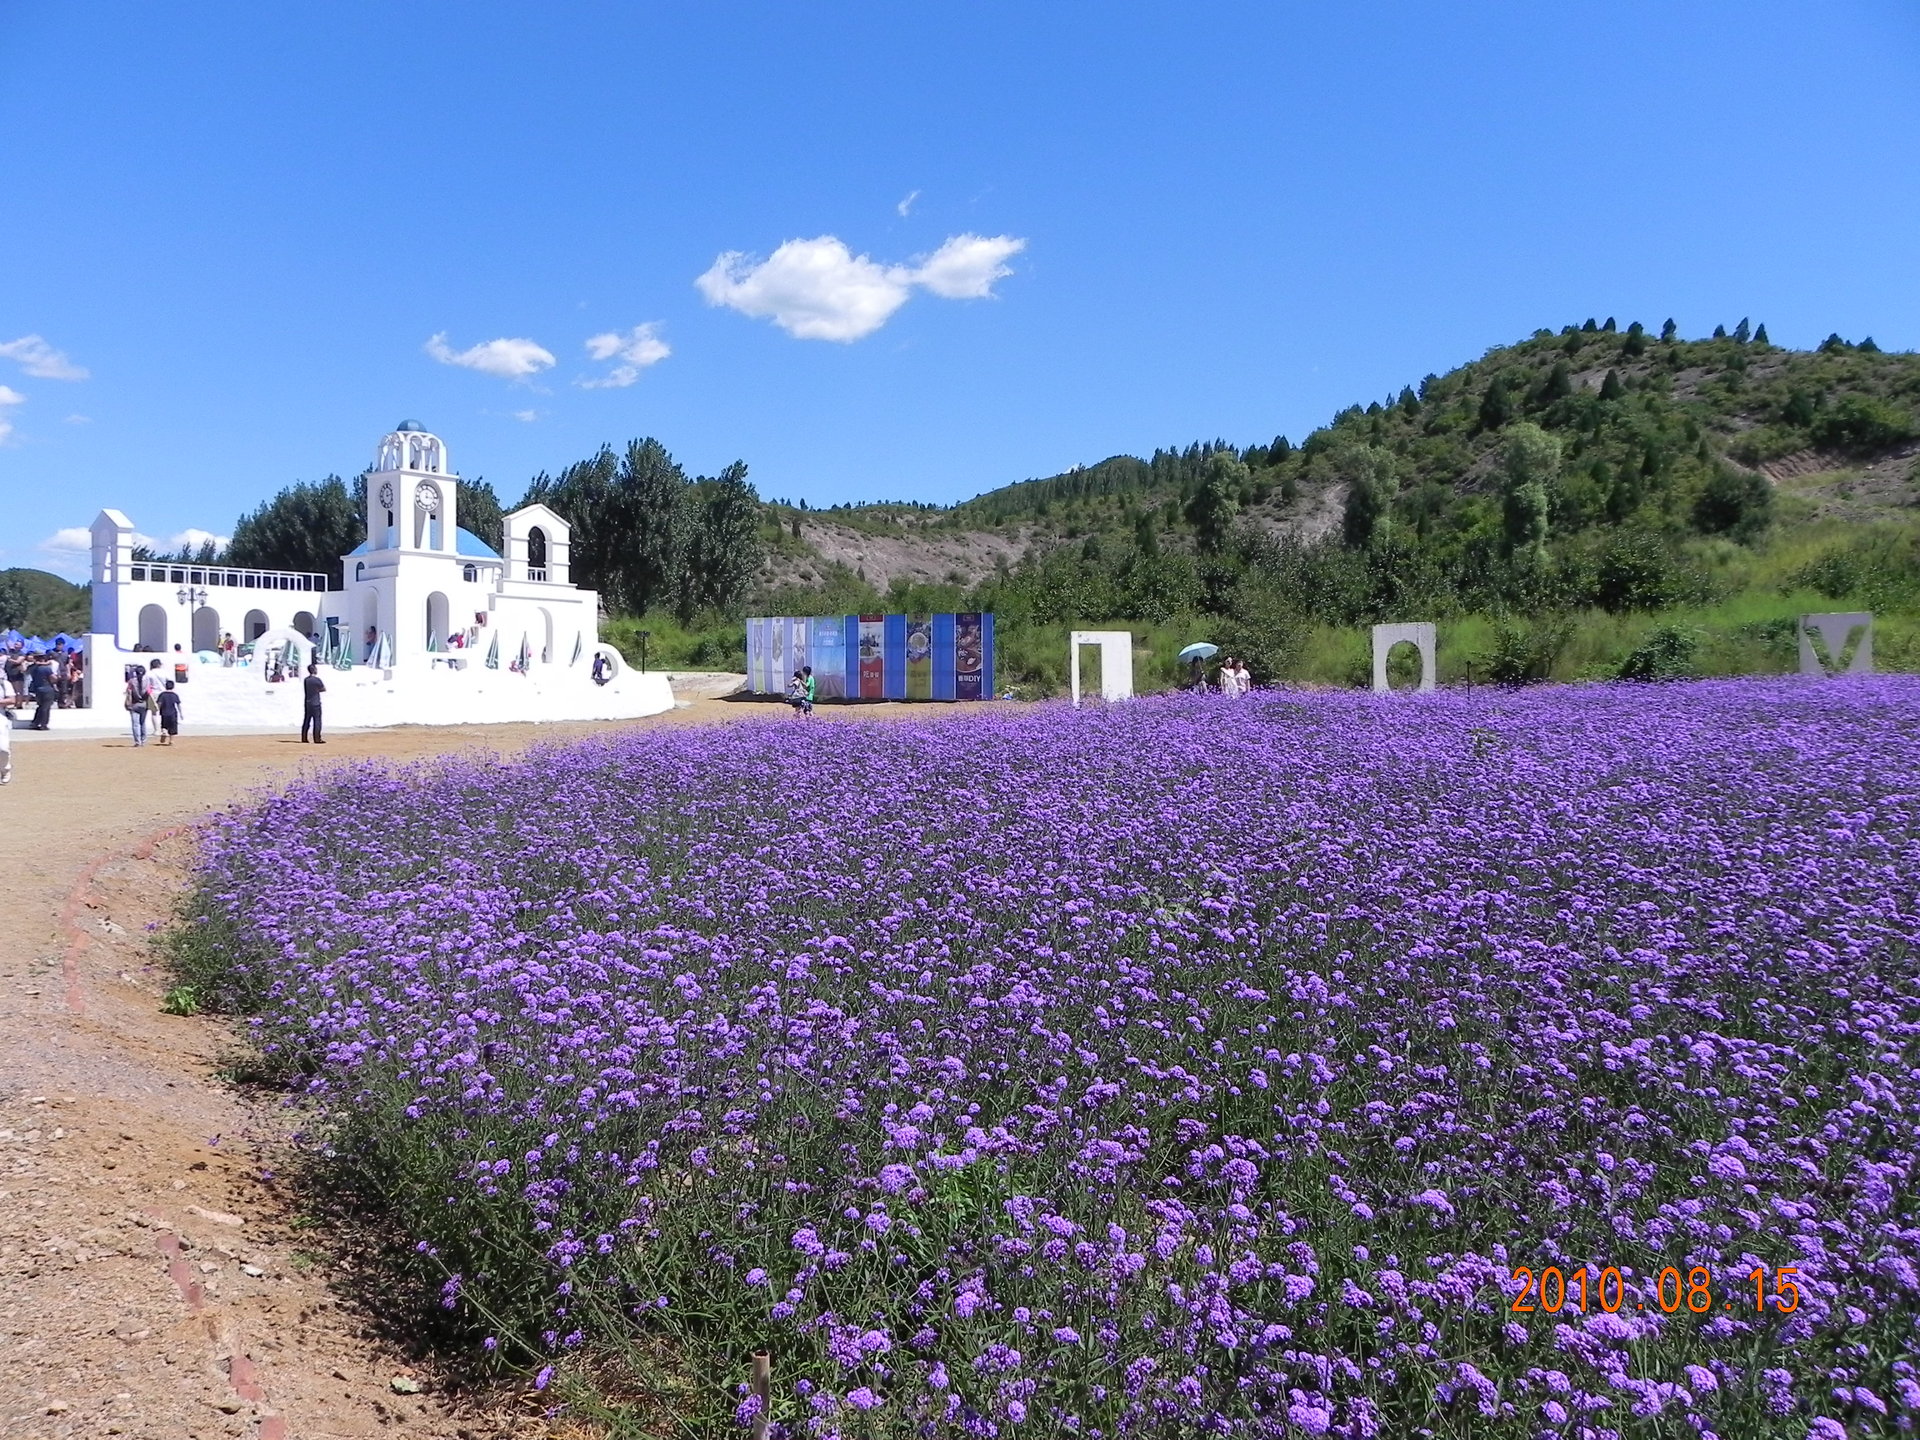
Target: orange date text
pixel 1553 1290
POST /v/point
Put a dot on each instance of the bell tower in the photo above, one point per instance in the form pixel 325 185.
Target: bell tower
pixel 412 493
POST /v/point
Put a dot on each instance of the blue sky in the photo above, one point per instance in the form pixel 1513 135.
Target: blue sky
pixel 1025 236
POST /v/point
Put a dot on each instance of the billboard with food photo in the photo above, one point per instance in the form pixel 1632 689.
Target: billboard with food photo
pixel 874 657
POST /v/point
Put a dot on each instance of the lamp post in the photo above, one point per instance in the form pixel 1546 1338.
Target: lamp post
pixel 193 599
pixel 644 635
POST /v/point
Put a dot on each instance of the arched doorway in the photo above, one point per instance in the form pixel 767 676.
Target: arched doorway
pixel 437 621
pixel 206 628
pixel 254 626
pixel 546 643
pixel 536 554
pixel 303 621
pixel 153 628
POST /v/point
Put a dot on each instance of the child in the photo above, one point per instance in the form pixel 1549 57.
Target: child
pixel 169 714
pixel 797 695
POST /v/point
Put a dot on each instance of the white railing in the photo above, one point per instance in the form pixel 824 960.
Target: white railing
pixel 221 576
pixel 536 572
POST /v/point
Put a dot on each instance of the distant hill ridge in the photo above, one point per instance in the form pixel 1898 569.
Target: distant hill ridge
pixel 1645 421
pixel 36 603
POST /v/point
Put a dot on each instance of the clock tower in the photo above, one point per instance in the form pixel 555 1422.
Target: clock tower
pixel 412 493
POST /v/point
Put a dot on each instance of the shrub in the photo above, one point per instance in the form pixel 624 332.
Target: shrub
pixel 1670 652
pixel 1880 570
pixel 1861 423
pixel 1734 502
pixel 1525 652
pixel 1641 571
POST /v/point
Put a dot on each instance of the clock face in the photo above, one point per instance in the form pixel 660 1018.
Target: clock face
pixel 427 498
pixel 386 495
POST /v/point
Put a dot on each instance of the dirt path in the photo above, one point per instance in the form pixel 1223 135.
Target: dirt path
pixel 154 1278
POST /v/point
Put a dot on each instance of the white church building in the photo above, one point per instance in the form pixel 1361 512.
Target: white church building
pixel 430 625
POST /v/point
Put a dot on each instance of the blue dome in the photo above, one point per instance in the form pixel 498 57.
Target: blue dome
pixel 465 542
pixel 410 427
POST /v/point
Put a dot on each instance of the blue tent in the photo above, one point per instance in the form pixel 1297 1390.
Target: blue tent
pixel 11 637
pixel 65 639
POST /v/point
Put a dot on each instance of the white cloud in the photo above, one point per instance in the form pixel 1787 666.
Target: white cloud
pixel 77 538
pixel 192 539
pixel 526 417
pixel 8 396
pixel 78 420
pixel 967 265
pixel 812 289
pixel 820 290
pixel 505 358
pixel 907 204
pixel 41 360
pixel 636 350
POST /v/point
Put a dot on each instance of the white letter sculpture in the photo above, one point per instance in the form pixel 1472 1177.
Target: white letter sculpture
pixel 1116 662
pixel 1835 631
pixel 1419 635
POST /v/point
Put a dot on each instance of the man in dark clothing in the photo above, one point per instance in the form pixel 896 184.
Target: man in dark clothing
pixel 40 687
pixel 310 716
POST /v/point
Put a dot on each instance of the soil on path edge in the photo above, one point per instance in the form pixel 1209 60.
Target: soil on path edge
pixel 153 1276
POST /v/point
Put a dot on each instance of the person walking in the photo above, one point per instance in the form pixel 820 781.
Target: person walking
pixel 134 697
pixel 40 686
pixel 813 687
pixel 6 735
pixel 169 714
pixel 315 687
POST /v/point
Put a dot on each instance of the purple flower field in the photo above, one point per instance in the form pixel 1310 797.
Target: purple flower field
pixel 1186 1067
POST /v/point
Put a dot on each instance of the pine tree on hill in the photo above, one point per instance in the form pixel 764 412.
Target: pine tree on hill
pixel 1668 331
pixel 1611 388
pixel 1719 332
pixel 1741 332
pixel 1760 335
pixel 1496 406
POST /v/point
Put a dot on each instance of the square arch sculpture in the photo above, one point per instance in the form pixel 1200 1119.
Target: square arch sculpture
pixel 1834 631
pixel 1116 662
pixel 1418 634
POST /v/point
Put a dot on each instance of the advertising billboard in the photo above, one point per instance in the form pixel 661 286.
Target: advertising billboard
pixel 874 657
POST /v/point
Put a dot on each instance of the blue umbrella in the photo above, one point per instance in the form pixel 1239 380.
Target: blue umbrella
pixel 1200 650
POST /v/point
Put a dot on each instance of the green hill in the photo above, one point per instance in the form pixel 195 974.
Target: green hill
pixel 1558 505
pixel 37 603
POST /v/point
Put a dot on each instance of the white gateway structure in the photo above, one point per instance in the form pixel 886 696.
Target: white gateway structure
pixel 430 625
